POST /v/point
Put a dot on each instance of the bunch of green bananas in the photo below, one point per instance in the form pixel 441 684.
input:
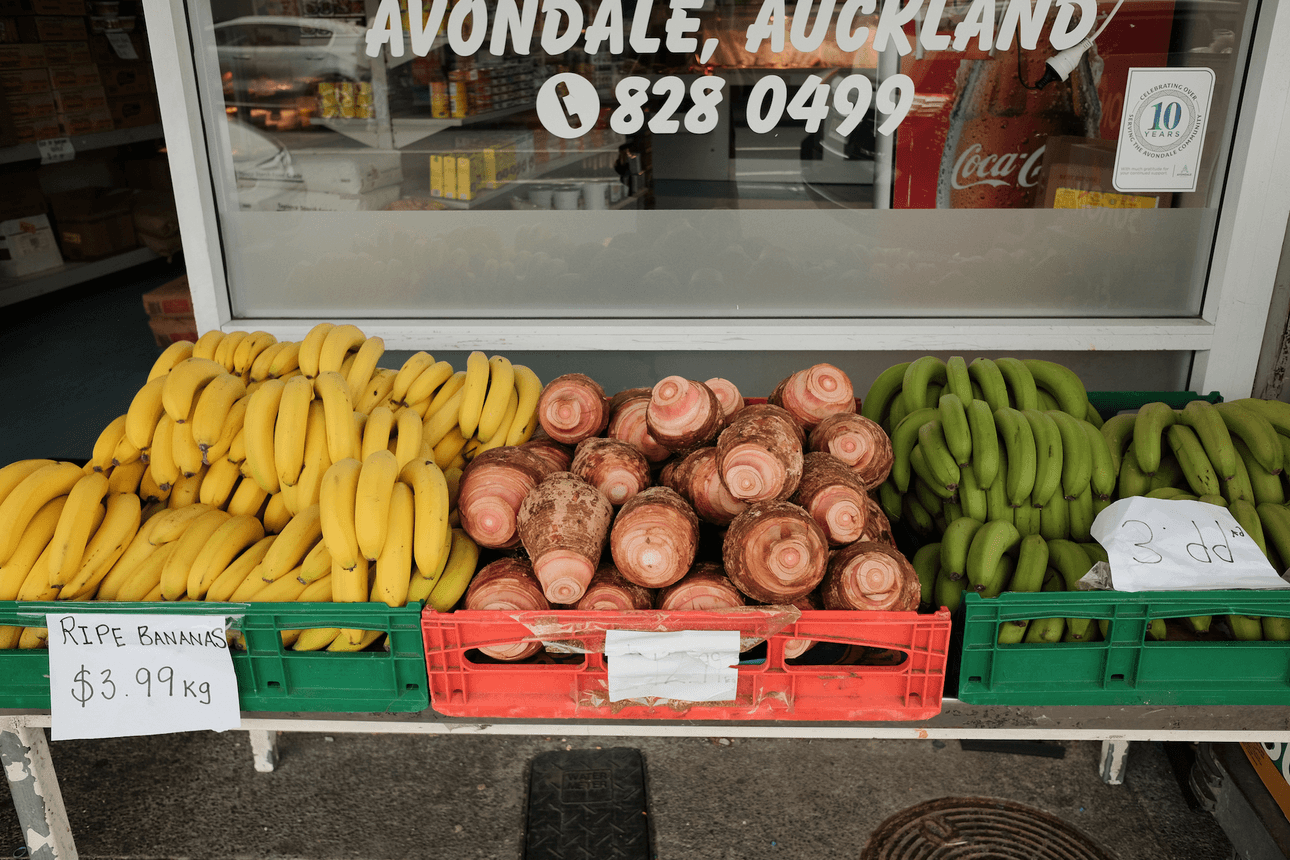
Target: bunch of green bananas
pixel 1011 440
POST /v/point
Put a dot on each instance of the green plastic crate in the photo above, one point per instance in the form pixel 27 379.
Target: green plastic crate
pixel 1122 669
pixel 1108 403
pixel 269 677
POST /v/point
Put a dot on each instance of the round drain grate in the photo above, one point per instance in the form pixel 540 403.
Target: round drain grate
pixel 965 828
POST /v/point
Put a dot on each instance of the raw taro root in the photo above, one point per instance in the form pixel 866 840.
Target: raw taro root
pixel 727 395
pixel 683 414
pixel 654 538
pixel 794 648
pixel 868 575
pixel 610 590
pixel 759 455
pixel 876 526
pixel 507 584
pixel 491 490
pixel 813 394
pixel 573 407
pixel 563 524
pixel 705 586
pixel 775 553
pixel 833 496
pixel 696 478
pixel 617 469
pixel 627 423
pixel 857 441
pixel 557 455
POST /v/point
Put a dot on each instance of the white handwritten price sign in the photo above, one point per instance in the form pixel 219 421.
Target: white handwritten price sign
pixel 121 675
pixel 1166 545
pixel 690 665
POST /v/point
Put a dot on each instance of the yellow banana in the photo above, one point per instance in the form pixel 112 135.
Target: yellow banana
pixel 289 430
pixel 311 348
pixel 249 350
pixel 207 344
pixel 317 563
pixel 408 430
pixel 341 643
pixel 186 489
pixel 101 458
pixel 13 474
pixel 239 570
pixel 161 456
pixel 217 486
pixel 170 356
pixel 529 388
pixel 372 502
pixel 120 524
pixel 184 383
pixel 188 456
pixel 498 439
pixel 149 490
pixel 32 494
pixel 337 345
pixel 394 564
pixel 350 586
pixel 457 573
pixel 425 385
pixel 249 587
pixel 145 410
pixel 127 477
pixel 474 391
pixel 294 543
pixel 423 582
pixel 316 459
pixel 285 360
pixel 342 438
pixel 136 551
pixel 360 372
pixel 376 433
pixel 315 638
pixel 226 348
pixel 170 525
pixel 430 496
pixel 442 421
pixel 35 539
pixel 174 576
pixel 230 539
pixel 411 368
pixel 450 447
pixel 146 575
pixel 248 498
pixel 210 415
pixel 501 388
pixel 276 516
pixel 237 448
pixel 287 589
pixel 125 452
pixel 232 427
pixel 258 426
pixel 75 526
pixel 377 392
pixel 260 366
pixel 337 507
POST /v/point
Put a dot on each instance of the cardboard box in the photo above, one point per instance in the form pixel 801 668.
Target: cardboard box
pixel 80 100
pixel 102 51
pixel 107 23
pixel 94 222
pixel 133 112
pixel 86 122
pixel 8 134
pixel 151 174
pixel 167 330
pixel 21 81
pixel 436 175
pixel 27 246
pixel 31 105
pixel 353 172
pixel 52 29
pixel 70 77
pixel 37 128
pixel 470 175
pixel 132 79
pixel 8 31
pixel 23 57
pixel 1076 174
pixel 171 299
pixel 42 7
pixel 68 54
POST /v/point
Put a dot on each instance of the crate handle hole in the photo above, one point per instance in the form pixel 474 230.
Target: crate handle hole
pixel 975 679
pixel 1117 677
pixel 411 686
pixel 275 684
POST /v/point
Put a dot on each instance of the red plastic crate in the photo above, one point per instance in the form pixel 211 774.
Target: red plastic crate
pixel 772 690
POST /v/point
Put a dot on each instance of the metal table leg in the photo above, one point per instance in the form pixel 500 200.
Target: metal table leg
pixel 264 747
pixel 24 753
pixel 1115 760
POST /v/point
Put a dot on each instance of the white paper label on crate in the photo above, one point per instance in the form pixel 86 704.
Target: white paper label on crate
pixel 55 150
pixel 122 45
pixel 124 675
pixel 1162 129
pixel 1179 545
pixel 688 665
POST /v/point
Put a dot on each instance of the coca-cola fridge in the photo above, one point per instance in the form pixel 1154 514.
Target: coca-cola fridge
pixel 976 137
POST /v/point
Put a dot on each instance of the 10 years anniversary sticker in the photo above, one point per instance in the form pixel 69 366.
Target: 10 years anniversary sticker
pixel 1162 131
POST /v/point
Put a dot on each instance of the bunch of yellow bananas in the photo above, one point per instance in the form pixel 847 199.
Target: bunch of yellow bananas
pixel 248 469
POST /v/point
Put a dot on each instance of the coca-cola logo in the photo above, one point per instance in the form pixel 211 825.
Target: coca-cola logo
pixel 972 169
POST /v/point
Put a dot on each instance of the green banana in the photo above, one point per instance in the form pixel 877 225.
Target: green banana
pixel 1168 493
pixel 1049 456
pixel 1255 431
pixel 1277 412
pixel 971 496
pixel 1054 518
pixel 952 510
pixel 1103 472
pixel 884 391
pixel 1044 630
pixel 896 414
pixel 1118 433
pixel 1032 563
pixel 1077 454
pixel 948 592
pixel 994 389
pixel 1196 467
pixel 1266 486
pixel 1047 403
pixel 1169 474
pixel 1028 519
pixel 927 564
pixel 1199 623
pixel 1080 516
pixel 997 506
pixel 1246 628
pixel 1133 481
pixel 1063 383
pixel 1275 520
pixel 989 543
pixel 1240 486
pixel 1201 416
pixel 1148 427
pixel 1092 416
pixel 957 379
pixel 919 376
pixel 916 517
pixel 1021 384
pixel 918 462
pixel 889 499
pixel 1276 629
pixel 903 439
pixel 935 448
pixel 999 579
pixel 1019 443
pixel 924 495
pixel 1072 563
pixel 955 544
pixel 1095 552
pixel 954 424
pixel 1211 499
pixel 1247 516
pixel 985 442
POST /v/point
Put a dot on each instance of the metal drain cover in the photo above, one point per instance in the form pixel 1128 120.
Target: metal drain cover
pixel 964 828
